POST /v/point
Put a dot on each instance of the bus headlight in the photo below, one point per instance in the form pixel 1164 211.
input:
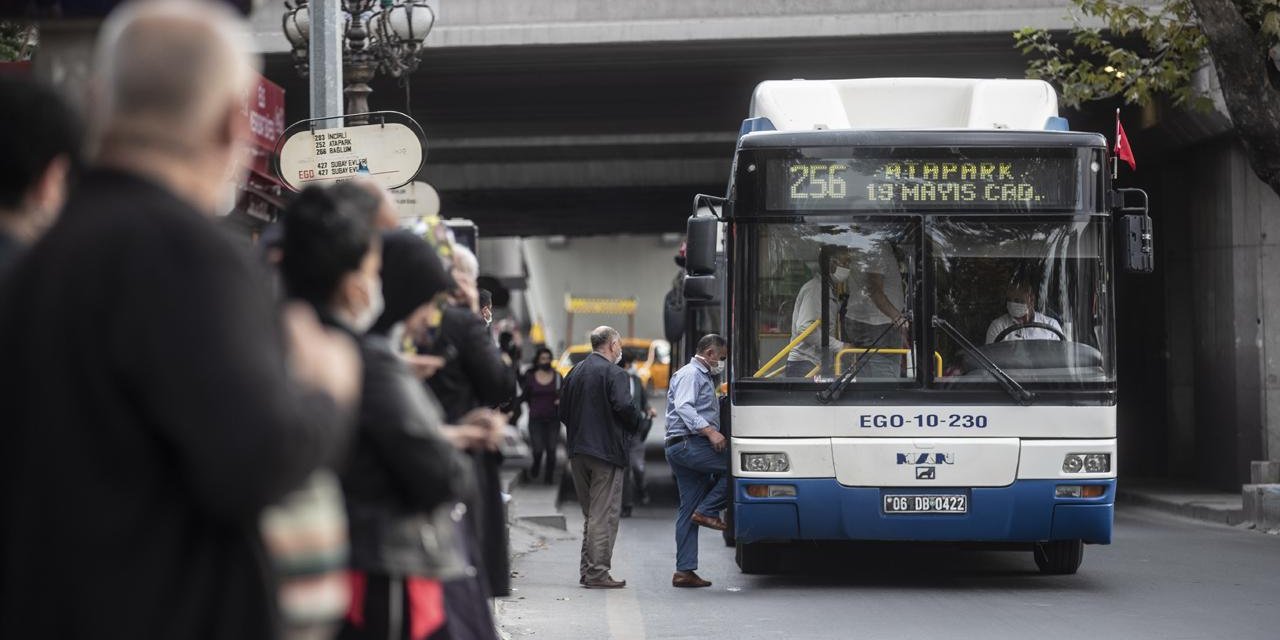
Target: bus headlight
pixel 775 462
pixel 1087 463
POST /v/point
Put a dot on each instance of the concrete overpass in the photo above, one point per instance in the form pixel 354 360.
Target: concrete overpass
pixel 585 117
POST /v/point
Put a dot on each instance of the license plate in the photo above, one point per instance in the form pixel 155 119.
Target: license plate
pixel 916 503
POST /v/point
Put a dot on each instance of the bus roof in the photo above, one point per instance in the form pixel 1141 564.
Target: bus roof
pixel 904 103
pixel 935 139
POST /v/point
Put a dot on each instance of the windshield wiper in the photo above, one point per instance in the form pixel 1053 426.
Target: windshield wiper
pixel 834 391
pixel 1015 390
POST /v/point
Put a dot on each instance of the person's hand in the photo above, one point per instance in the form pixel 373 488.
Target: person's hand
pixel 466 437
pixel 718 441
pixel 652 414
pixel 492 424
pixel 423 366
pixel 325 359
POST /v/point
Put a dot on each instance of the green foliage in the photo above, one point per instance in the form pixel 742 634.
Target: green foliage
pixel 1143 52
pixel 15 41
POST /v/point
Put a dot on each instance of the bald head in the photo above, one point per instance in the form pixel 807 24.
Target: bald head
pixel 171 68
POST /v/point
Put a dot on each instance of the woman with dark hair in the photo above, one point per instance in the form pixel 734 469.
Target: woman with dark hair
pixel 403 478
pixel 540 389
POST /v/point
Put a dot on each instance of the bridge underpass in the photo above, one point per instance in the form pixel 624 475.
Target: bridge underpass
pixel 604 138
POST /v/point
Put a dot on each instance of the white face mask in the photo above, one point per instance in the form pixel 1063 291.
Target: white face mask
pixel 840 274
pixel 1017 309
pixel 366 318
pixel 717 367
pixel 618 356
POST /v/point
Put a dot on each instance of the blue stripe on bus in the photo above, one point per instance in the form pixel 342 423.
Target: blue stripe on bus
pixel 823 509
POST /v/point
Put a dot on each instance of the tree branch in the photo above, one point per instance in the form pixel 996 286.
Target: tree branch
pixel 1252 103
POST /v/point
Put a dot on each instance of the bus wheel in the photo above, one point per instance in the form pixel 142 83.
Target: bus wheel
pixel 757 557
pixel 1059 557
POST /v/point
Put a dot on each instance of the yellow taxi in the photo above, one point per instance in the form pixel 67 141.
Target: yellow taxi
pixel 653 360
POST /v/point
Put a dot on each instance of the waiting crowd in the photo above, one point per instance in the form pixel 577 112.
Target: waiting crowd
pixel 205 440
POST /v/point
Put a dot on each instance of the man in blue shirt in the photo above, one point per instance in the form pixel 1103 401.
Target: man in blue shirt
pixel 698 453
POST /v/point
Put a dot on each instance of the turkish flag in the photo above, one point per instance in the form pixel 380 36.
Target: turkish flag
pixel 1123 150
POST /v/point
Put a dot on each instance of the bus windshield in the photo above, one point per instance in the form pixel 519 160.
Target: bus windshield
pixel 1029 295
pixel 862 269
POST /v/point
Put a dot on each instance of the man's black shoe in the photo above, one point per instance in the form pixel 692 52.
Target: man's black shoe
pixel 606 582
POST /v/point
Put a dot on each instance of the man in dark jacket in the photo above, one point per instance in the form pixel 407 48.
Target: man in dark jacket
pixel 597 409
pixel 633 487
pixel 149 413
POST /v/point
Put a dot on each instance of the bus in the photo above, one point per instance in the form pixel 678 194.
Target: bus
pixel 917 288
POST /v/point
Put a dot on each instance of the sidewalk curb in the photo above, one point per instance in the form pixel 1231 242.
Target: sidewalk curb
pixel 1187 509
pixel 553 519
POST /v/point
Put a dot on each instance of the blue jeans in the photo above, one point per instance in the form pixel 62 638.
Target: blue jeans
pixel 702 477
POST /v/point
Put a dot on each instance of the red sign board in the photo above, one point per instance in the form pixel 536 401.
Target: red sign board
pixel 264 107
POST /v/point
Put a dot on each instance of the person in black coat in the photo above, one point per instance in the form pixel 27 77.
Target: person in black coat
pixel 149 411
pixel 474 376
pixel 601 419
pixel 402 477
pixel 633 486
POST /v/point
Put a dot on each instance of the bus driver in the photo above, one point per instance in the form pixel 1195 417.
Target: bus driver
pixel 1021 309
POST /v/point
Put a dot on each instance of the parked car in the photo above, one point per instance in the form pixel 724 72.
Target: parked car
pixel 653 360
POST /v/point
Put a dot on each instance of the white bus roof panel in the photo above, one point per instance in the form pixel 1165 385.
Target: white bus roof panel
pixel 905 103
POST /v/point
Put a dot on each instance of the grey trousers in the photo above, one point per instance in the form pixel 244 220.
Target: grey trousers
pixel 599 488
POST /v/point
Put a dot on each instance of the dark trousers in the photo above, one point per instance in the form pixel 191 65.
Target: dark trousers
pixel 544 435
pixel 633 488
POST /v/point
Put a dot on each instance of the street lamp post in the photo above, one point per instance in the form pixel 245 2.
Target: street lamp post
pixel 384 36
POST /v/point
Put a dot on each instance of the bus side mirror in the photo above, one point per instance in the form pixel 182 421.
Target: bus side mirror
pixel 1137 248
pixel 700 288
pixel 700 250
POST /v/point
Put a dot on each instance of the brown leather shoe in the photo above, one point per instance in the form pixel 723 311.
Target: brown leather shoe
pixel 688 579
pixel 709 522
pixel 606 582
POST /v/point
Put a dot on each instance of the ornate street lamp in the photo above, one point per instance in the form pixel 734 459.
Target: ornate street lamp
pixel 377 36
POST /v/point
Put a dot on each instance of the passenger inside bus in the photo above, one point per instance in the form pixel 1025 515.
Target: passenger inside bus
pixel 875 311
pixel 804 358
pixel 1021 321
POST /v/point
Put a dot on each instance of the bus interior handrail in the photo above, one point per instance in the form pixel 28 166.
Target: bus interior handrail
pixel 937 357
pixel 787 349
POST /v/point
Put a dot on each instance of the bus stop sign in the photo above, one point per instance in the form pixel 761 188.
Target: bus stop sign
pixel 389 150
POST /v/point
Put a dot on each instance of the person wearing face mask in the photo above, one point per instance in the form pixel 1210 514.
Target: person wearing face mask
pixel 633 489
pixel 401 468
pixel 540 389
pixel 601 420
pixel 698 453
pixel 1020 305
pixel 806 356
pixel 875 311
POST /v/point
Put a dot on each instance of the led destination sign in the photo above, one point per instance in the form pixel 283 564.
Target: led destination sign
pixel 924 183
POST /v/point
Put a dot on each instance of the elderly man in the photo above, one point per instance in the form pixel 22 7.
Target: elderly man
pixel 698 454
pixel 596 408
pixel 1020 307
pixel 150 413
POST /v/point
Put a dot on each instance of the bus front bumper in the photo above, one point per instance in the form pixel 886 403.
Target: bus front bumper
pixel 823 509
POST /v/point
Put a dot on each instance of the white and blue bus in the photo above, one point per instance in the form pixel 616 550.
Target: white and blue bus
pixel 918 294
